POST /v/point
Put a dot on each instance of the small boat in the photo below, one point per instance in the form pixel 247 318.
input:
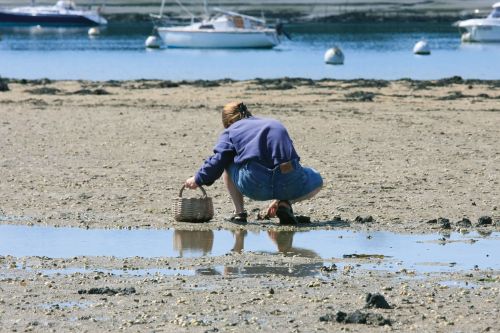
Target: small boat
pixel 62 13
pixel 482 30
pixel 225 29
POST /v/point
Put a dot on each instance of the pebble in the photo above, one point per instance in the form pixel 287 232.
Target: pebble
pixel 376 301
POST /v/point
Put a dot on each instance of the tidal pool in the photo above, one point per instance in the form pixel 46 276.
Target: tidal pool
pixel 374 250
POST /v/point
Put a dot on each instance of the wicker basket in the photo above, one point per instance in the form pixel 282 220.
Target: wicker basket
pixel 193 209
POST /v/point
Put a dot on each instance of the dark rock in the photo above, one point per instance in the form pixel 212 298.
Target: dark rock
pixel 366 219
pixel 356 317
pixel 484 220
pixel 328 269
pixel 338 317
pixel 327 317
pixel 4 85
pixel 376 301
pixel 444 223
pixel 107 291
pixel 433 221
pixel 303 219
pixel 464 222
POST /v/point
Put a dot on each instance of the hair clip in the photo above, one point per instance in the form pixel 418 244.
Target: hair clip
pixel 242 108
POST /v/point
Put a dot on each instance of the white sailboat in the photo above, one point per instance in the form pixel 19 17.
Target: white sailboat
pixel 482 30
pixel 225 29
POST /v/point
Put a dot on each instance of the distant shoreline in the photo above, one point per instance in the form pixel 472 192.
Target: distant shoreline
pixel 292 11
pixel 283 83
pixel 296 17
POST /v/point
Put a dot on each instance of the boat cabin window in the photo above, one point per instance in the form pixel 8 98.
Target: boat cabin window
pixel 206 26
pixel 238 22
pixel 495 13
pixel 65 4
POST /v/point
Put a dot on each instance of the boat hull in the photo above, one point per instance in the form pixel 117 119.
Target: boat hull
pixel 213 39
pixel 480 31
pixel 48 19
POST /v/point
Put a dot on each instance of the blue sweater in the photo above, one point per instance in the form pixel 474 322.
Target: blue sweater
pixel 260 139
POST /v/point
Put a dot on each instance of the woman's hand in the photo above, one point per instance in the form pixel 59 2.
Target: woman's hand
pixel 191 183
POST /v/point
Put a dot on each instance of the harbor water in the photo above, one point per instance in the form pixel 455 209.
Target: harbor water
pixel 372 50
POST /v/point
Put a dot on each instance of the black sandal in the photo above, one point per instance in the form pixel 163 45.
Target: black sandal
pixel 238 218
pixel 285 214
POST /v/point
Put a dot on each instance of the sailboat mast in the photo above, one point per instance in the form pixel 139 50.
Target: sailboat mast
pixel 205 7
pixel 162 7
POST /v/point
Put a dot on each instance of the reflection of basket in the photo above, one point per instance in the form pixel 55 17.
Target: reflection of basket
pixel 193 209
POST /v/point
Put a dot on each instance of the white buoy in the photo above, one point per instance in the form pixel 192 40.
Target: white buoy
pixel 153 42
pixel 334 56
pixel 94 31
pixel 422 48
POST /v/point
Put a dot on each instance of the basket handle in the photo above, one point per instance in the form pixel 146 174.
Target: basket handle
pixel 200 187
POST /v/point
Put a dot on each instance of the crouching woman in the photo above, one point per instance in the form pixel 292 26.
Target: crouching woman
pixel 257 159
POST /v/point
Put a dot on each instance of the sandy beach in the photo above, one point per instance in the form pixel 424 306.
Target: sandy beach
pixel 114 154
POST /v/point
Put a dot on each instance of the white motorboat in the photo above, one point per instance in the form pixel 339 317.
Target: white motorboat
pixel 64 12
pixel 482 30
pixel 225 29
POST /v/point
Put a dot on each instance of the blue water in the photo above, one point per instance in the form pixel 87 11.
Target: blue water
pixel 376 50
pixel 420 252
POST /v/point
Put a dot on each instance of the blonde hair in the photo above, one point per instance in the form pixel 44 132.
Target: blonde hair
pixel 233 112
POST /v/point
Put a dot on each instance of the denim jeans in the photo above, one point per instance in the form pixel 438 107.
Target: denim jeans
pixel 260 183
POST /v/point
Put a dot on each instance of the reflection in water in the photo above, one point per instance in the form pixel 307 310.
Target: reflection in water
pixel 283 240
pixel 407 250
pixel 196 241
pixel 193 241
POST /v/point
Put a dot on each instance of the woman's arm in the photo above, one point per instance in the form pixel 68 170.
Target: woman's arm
pixel 214 166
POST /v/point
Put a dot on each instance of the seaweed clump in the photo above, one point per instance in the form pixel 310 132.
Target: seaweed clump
pixel 360 96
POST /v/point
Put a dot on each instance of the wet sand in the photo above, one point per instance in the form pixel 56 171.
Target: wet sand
pixel 114 154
